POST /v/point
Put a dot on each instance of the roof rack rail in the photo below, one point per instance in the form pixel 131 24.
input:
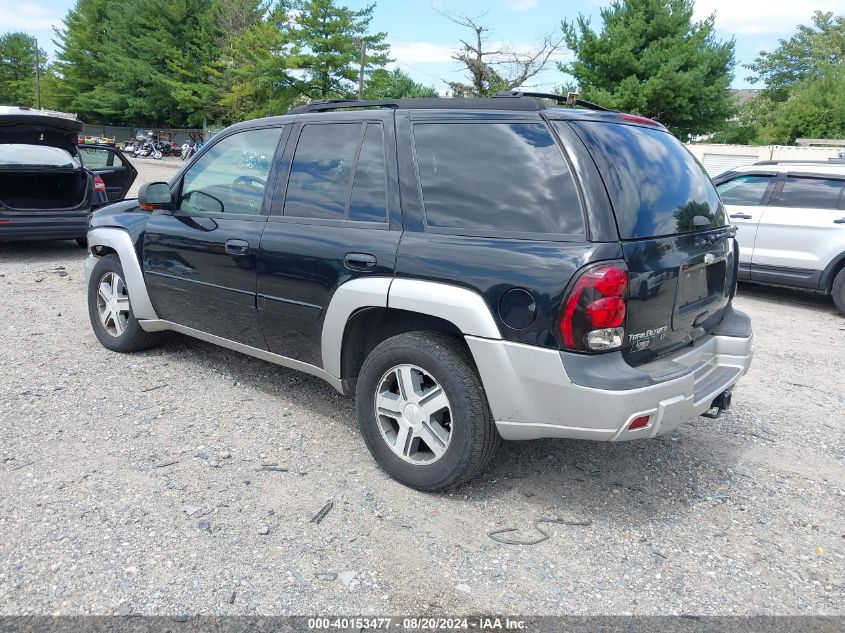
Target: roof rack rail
pixel 326 105
pixel 570 99
pixel 829 161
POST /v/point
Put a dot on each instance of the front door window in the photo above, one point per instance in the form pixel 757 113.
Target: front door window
pixel 232 175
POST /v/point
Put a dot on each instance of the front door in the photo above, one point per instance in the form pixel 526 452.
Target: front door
pixel 801 230
pixel 745 197
pixel 334 218
pixel 200 261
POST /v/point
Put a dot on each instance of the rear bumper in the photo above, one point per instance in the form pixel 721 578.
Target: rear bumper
pixel 532 396
pixel 43 226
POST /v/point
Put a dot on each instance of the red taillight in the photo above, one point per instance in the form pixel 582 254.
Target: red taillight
pixel 99 185
pixel 606 312
pixel 593 313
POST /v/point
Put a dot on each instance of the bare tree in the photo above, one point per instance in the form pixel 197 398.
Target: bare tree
pixel 502 68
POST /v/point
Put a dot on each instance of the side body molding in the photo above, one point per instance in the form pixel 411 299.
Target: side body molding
pixel 460 306
pixel 119 240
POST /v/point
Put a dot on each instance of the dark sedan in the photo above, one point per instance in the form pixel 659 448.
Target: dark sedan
pixel 48 184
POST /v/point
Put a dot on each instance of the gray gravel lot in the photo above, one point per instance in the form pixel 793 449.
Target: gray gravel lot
pixel 183 480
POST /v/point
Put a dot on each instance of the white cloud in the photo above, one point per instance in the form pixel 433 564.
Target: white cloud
pixel 761 16
pixel 28 17
pixel 521 5
pixel 421 52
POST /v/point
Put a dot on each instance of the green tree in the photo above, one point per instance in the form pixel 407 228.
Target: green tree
pixel 139 61
pixel 253 69
pixel 809 53
pixel 386 84
pixel 814 108
pixel 325 47
pixel 81 59
pixel 17 69
pixel 804 88
pixel 650 58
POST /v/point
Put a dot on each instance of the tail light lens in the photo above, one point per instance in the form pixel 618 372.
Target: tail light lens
pixel 99 185
pixel 593 314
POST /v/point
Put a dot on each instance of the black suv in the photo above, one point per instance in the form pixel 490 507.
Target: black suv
pixel 470 269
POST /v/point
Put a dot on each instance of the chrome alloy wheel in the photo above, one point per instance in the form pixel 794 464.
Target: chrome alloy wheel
pixel 113 304
pixel 414 415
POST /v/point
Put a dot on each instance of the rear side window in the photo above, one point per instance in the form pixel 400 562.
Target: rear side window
pixel 744 190
pixel 655 185
pixel 812 193
pixel 495 178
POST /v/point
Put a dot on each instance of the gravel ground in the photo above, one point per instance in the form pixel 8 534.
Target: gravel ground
pixel 139 484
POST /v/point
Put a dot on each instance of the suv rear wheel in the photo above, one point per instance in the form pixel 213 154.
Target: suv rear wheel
pixel 423 412
pixel 111 312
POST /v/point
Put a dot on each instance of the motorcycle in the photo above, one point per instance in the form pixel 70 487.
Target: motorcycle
pixel 147 149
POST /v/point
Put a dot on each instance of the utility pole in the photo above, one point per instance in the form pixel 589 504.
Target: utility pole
pixel 37 75
pixel 361 71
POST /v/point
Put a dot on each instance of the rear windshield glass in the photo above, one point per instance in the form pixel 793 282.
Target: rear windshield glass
pixel 655 185
pixel 20 155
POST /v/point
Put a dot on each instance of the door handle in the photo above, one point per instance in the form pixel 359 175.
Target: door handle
pixel 742 216
pixel 237 247
pixel 360 261
pixel 839 221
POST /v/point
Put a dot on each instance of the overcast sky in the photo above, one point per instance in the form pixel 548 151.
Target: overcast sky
pixel 422 41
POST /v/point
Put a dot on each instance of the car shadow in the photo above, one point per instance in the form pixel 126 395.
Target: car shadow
pixel 642 479
pixel 37 251
pixel 795 296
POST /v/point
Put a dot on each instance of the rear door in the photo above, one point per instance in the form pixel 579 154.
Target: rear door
pixel 801 230
pixel 675 238
pixel 335 217
pixel 112 166
pixel 745 197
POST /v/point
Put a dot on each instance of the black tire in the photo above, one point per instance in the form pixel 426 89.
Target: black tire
pixel 82 242
pixel 474 438
pixel 838 290
pixel 132 338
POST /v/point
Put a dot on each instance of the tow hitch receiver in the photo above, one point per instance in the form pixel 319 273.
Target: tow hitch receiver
pixel 722 402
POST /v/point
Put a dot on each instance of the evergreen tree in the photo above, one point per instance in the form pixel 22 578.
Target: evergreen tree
pixel 325 47
pixel 17 69
pixel 650 58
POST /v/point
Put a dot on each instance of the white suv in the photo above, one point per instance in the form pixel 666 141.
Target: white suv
pixel 791 221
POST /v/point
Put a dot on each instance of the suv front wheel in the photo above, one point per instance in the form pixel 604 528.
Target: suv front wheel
pixel 110 311
pixel 423 412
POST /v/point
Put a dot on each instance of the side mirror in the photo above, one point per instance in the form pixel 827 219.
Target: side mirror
pixel 155 195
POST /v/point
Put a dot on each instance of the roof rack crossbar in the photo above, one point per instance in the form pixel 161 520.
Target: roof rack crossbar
pixel 325 105
pixel 571 99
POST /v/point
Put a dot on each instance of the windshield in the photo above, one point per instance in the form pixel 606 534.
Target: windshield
pixel 656 186
pixel 19 155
